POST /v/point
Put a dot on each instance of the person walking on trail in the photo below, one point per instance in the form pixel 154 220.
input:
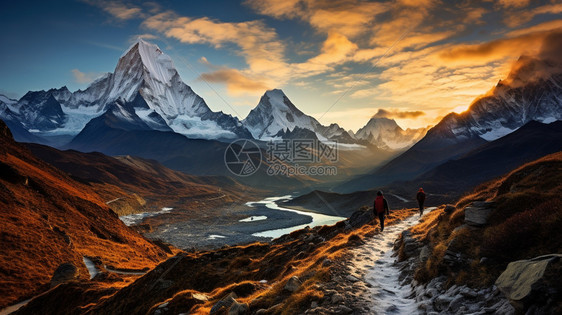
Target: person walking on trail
pixel 421 199
pixel 380 207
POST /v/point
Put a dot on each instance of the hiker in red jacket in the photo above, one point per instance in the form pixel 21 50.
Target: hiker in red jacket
pixel 380 208
pixel 421 199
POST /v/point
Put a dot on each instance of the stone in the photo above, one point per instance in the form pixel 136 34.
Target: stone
pixel 456 304
pixel 524 283
pixel 64 273
pixel 441 303
pixel 337 298
pixel 449 209
pixel 425 253
pixel 225 302
pixel 293 284
pixel 238 308
pixel 360 218
pixel 314 304
pixel 342 309
pixel 476 216
pixel 351 278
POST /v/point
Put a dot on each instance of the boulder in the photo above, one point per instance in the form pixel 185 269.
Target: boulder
pixel 360 218
pixel 532 282
pixel 411 247
pixel 238 308
pixel 293 284
pixel 64 273
pixel 476 216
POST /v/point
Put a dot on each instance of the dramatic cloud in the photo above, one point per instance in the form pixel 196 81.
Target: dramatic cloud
pixel 494 50
pixel 84 77
pixel 383 113
pixel 236 83
pixel 258 43
pixel 348 17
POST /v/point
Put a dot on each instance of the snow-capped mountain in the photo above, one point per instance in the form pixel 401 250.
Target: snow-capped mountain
pixel 145 81
pixel 532 91
pixel 275 116
pixel 386 134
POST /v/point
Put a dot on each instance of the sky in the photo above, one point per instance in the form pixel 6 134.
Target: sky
pixel 341 61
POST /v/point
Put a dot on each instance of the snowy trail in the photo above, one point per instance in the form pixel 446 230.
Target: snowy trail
pixel 374 262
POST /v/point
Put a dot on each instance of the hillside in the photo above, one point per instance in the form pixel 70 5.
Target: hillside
pixel 136 185
pixel 310 268
pixel 49 219
pixel 516 217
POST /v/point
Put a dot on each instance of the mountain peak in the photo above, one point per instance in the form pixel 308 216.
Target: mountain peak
pixel 157 63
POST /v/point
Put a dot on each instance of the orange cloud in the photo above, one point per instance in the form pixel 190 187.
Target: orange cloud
pixel 384 113
pixel 348 17
pixel 259 44
pixel 275 8
pixel 236 83
pixel 543 27
pixel 336 48
pixel 494 50
pixel 118 10
pixel 513 3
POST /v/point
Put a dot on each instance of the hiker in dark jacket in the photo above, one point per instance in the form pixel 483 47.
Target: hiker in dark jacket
pixel 380 207
pixel 421 199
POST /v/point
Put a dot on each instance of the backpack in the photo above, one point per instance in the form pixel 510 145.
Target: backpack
pixel 379 204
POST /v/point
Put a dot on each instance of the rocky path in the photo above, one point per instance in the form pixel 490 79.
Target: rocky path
pixel 374 263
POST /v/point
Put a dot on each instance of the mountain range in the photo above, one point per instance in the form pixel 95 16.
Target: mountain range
pixel 531 92
pixel 145 92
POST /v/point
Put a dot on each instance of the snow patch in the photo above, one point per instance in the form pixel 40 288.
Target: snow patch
pixel 254 218
pixel 215 236
pixel 194 127
pixel 496 133
pixel 136 218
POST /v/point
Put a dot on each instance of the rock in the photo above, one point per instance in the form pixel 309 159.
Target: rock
pixel 342 309
pixel 327 262
pixel 468 293
pixel 441 303
pixel 484 204
pixel 225 303
pixel 351 278
pixel 449 209
pixel 293 284
pixel 314 304
pixel 527 282
pixel 64 273
pixel 456 304
pixel 360 218
pixel 337 298
pixel 453 259
pixel 425 253
pixel 477 216
pixel 411 247
pixel 238 308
